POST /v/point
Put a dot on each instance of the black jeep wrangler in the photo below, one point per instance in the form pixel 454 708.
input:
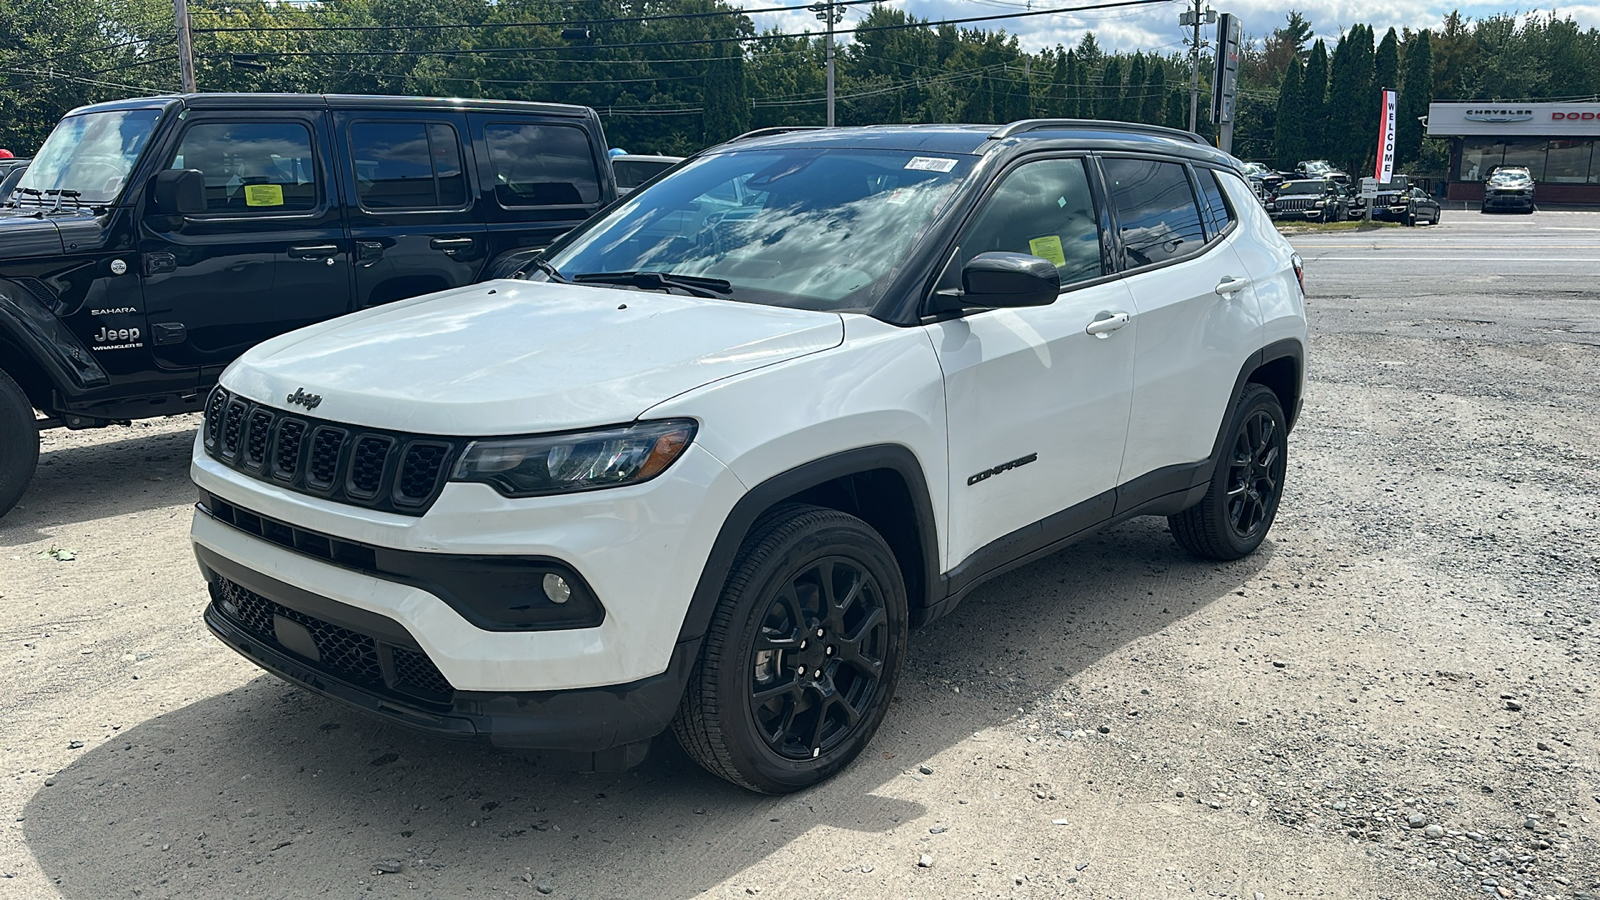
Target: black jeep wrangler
pixel 152 241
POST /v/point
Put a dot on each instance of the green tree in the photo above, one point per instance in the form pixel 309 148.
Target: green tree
pixel 1416 92
pixel 1314 101
pixel 1155 93
pixel 1108 98
pixel 1386 64
pixel 1289 136
pixel 1287 42
pixel 1133 100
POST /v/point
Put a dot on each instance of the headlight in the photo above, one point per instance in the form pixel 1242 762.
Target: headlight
pixel 582 461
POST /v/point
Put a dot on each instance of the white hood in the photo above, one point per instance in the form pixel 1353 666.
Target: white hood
pixel 514 357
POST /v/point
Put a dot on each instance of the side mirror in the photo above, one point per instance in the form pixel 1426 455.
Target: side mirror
pixel 1009 280
pixel 179 192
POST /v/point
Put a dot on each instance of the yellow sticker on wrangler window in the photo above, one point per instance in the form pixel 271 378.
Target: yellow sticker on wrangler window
pixel 272 195
pixel 1048 248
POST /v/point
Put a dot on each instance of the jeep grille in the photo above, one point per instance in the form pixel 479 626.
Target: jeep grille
pixel 378 469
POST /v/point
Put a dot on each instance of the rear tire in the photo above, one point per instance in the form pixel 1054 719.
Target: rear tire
pixel 802 656
pixel 19 443
pixel 1242 501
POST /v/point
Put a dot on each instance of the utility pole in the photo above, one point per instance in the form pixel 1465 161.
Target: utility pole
pixel 1194 18
pixel 180 11
pixel 826 12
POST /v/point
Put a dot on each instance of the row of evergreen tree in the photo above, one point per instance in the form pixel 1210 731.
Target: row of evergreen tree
pixel 671 76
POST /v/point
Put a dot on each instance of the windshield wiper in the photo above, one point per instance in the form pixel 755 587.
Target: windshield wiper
pixel 544 266
pixel 694 285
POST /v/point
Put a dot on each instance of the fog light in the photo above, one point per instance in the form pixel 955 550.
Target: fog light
pixel 556 588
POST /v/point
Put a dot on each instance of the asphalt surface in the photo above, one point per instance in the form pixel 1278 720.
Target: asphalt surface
pixel 1394 698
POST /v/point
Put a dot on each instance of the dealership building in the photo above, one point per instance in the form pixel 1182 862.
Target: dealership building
pixel 1555 141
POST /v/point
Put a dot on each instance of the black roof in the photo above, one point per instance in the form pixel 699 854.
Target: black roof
pixel 334 101
pixel 1081 134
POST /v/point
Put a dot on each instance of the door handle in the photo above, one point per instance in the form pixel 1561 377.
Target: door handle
pixel 315 251
pixel 451 245
pixel 1106 322
pixel 1229 286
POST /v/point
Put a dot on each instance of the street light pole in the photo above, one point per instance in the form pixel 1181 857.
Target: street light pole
pixel 180 12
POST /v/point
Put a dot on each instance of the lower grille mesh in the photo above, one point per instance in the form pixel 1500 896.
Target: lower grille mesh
pixel 347 655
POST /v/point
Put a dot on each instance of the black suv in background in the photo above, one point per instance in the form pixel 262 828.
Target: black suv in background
pixel 151 241
pixel 1312 199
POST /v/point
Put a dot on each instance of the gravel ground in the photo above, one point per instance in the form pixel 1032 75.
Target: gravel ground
pixel 1396 697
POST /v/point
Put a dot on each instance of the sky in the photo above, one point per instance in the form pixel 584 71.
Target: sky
pixel 1155 28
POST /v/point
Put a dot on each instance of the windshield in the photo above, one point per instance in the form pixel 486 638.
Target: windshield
pixel 1316 167
pixel 1255 168
pixel 809 228
pixel 1514 177
pixel 1302 187
pixel 91 154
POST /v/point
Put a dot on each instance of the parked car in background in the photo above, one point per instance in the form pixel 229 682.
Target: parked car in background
pixel 704 467
pixel 11 164
pixel 1257 174
pixel 9 180
pixel 151 241
pixel 634 169
pixel 1311 199
pixel 1410 205
pixel 1508 188
pixel 1321 168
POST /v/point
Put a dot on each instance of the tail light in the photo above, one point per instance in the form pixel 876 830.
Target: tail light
pixel 1299 271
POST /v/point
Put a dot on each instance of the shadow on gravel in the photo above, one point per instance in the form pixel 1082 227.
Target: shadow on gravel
pixel 96 481
pixel 268 789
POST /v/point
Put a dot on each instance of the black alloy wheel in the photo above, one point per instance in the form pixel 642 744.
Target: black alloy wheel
pixel 819 655
pixel 803 653
pixel 1232 519
pixel 19 443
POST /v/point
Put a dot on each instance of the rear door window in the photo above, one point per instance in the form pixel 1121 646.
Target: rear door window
pixel 1156 210
pixel 252 167
pixel 538 164
pixel 407 165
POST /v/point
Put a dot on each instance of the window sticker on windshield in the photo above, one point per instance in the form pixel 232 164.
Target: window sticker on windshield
pixel 930 164
pixel 898 197
pixel 1048 247
pixel 263 195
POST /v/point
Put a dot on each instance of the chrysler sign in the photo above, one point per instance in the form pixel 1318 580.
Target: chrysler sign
pixel 1534 120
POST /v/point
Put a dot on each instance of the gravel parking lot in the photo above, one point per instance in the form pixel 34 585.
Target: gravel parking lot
pixel 1395 698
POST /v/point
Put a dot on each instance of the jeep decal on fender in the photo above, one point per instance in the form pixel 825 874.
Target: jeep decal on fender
pixel 117 339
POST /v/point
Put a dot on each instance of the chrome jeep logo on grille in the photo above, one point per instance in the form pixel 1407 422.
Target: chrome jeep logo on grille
pixel 309 401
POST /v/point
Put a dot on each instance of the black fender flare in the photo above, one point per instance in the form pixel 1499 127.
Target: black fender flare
pixel 894 457
pixel 71 367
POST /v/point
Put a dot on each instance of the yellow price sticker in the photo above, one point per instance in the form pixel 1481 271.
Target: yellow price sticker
pixel 272 195
pixel 1048 248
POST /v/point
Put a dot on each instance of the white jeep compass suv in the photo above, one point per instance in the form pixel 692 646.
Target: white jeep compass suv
pixel 706 459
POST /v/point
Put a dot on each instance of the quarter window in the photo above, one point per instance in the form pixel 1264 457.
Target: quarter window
pixel 541 165
pixel 255 167
pixel 1211 189
pixel 1156 210
pixel 407 165
pixel 1043 209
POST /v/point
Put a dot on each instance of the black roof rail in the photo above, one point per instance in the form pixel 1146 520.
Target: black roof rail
pixel 775 129
pixel 1025 125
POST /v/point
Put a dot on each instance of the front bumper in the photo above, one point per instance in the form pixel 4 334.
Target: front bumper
pixel 372 663
pixel 1508 201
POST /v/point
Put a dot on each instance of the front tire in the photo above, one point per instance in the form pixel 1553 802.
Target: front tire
pixel 19 443
pixel 1242 500
pixel 802 656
